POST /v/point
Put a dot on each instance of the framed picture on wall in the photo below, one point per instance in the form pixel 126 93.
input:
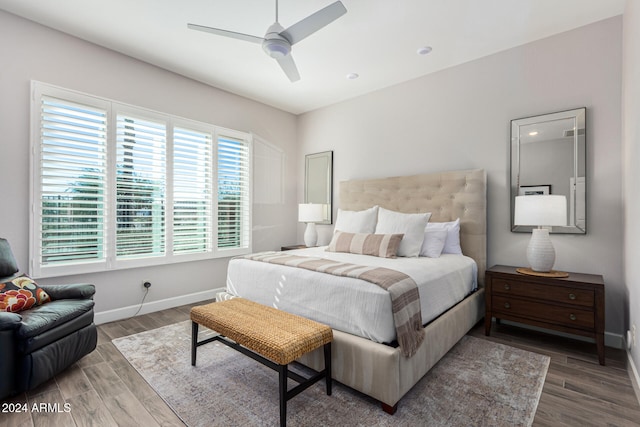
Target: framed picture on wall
pixel 534 190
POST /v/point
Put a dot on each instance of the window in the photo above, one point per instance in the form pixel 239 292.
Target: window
pixel 117 186
pixel 233 197
pixel 72 185
pixel 192 196
pixel 141 170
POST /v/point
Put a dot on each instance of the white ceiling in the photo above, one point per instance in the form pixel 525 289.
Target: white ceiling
pixel 377 39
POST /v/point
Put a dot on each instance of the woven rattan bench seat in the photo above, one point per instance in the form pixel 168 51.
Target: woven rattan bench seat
pixel 272 337
pixel 272 333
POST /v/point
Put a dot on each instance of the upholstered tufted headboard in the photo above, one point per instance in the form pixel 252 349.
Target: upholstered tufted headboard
pixel 447 195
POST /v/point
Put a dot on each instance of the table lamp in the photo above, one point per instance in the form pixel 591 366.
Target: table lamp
pixel 310 213
pixel 541 211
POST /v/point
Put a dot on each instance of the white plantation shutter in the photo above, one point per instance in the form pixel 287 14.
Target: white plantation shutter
pixel 233 192
pixel 140 182
pixel 116 186
pixel 192 191
pixel 72 173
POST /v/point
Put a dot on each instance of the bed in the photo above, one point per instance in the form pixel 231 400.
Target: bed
pixel 365 357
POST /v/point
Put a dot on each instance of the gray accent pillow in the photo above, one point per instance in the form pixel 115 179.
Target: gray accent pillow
pixel 380 245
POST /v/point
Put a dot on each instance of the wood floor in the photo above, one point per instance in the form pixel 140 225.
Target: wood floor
pixel 104 390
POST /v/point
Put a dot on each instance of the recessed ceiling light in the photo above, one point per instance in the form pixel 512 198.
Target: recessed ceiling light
pixel 353 76
pixel 424 50
pixel 534 133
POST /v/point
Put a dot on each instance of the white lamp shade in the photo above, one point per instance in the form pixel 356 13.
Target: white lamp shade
pixel 541 210
pixel 310 212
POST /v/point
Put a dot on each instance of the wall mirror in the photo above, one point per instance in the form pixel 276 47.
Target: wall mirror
pixel 548 156
pixel 318 182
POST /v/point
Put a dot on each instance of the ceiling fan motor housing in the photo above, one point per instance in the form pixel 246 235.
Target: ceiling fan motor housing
pixel 274 44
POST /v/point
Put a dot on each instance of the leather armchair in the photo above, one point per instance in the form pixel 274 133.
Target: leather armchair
pixel 38 343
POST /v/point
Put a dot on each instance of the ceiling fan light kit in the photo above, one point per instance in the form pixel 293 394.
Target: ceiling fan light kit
pixel 276 48
pixel 277 41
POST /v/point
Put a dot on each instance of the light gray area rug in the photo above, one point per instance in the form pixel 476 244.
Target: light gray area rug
pixel 478 383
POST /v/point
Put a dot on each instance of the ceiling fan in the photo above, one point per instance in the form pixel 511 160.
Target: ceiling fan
pixel 277 41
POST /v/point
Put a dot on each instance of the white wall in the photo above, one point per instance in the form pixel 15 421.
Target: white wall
pixel 631 137
pixel 460 119
pixel 31 51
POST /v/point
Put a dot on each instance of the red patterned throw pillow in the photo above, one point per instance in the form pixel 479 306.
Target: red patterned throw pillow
pixel 21 293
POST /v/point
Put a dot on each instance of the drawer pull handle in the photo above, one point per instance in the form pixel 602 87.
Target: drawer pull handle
pixel 507 305
pixel 572 296
pixel 506 287
pixel 572 316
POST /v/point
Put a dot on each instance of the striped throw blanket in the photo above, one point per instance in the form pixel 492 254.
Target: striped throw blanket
pixel 405 299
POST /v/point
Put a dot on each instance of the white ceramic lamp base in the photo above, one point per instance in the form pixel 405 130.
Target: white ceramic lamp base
pixel 540 252
pixel 310 235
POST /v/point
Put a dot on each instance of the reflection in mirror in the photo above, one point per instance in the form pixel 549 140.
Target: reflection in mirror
pixel 548 156
pixel 318 182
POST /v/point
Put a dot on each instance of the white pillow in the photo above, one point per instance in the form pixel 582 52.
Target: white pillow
pixel 452 245
pixel 411 225
pixel 357 221
pixel 434 240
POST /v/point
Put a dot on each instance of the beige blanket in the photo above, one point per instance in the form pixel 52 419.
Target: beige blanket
pixel 405 299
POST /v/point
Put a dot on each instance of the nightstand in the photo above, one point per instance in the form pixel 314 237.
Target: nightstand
pixel 573 304
pixel 292 247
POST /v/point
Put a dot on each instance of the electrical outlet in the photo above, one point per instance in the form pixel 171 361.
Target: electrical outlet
pixel 146 284
pixel 633 336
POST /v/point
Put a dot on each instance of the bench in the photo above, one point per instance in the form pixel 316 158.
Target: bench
pixel 270 336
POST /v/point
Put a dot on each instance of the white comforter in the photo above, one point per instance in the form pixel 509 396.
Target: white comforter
pixel 352 305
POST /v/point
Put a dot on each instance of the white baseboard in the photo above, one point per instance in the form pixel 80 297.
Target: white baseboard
pixel 614 340
pixel 149 307
pixel 633 374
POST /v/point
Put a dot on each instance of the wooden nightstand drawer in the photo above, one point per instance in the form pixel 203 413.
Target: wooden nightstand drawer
pixel 568 316
pixel 553 293
pixel 572 305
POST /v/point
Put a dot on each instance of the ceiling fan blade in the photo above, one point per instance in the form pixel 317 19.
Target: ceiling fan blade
pixel 289 67
pixel 314 22
pixel 226 33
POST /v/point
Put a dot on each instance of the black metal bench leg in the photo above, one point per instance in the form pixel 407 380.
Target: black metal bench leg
pixel 283 374
pixel 194 342
pixel 327 367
